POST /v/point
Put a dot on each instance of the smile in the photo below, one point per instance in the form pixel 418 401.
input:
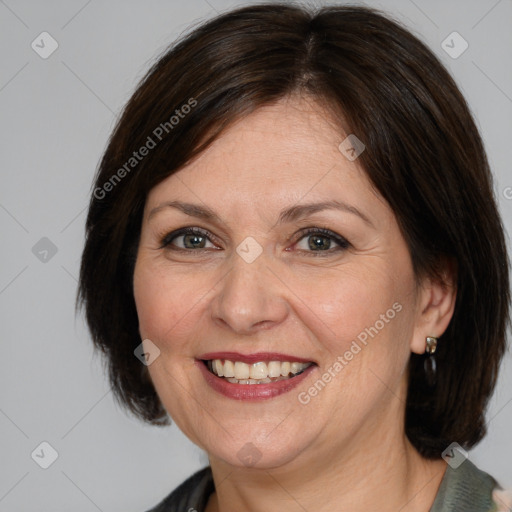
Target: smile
pixel 253 377
pixel 261 372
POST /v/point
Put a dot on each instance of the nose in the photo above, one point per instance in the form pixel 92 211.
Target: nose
pixel 250 298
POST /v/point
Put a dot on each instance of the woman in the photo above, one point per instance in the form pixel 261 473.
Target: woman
pixel 294 251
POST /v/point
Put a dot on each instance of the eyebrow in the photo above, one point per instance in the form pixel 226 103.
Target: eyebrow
pixel 194 210
pixel 303 210
pixel 290 214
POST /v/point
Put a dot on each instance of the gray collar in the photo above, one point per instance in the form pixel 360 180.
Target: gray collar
pixel 465 489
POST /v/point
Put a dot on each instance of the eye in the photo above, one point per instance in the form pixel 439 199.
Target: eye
pixel 312 240
pixel 187 239
pixel 319 240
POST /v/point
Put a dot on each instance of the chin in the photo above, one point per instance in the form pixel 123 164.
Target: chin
pixel 257 448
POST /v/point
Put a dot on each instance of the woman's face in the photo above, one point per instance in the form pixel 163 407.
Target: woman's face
pixel 266 279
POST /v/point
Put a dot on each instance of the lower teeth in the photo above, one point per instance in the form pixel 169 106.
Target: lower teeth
pixel 256 381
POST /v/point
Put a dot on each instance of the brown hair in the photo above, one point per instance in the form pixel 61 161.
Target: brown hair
pixel 423 154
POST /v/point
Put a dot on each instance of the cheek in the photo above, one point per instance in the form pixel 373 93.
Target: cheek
pixel 348 302
pixel 368 303
pixel 163 301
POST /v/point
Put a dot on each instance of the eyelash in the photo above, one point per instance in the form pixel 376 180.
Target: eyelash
pixel 343 244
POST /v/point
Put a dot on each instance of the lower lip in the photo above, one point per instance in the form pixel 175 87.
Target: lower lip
pixel 252 392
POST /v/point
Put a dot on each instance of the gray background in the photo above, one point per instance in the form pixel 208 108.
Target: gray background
pixel 56 115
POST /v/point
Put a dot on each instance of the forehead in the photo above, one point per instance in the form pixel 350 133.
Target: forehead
pixel 280 136
pixel 281 153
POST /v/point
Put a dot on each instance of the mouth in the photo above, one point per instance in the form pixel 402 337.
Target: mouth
pixel 253 377
pixel 260 372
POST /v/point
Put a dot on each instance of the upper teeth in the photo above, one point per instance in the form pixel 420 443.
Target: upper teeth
pixel 259 370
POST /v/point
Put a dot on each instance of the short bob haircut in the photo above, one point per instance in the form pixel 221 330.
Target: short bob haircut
pixel 423 154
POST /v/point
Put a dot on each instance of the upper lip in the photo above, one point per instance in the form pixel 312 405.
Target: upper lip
pixel 254 357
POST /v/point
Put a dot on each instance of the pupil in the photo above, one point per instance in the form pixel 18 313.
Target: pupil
pixel 318 242
pixel 194 241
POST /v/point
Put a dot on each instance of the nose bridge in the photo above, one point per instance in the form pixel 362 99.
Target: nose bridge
pixel 250 296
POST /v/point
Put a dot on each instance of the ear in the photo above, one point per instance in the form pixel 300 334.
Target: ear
pixel 435 303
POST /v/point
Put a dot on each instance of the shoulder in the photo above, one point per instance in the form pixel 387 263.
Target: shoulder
pixel 190 496
pixel 469 488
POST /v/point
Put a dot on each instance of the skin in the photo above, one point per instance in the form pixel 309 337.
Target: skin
pixel 346 449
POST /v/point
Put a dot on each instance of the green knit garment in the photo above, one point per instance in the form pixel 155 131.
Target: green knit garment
pixel 465 489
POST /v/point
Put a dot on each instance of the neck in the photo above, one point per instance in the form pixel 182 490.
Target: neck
pixel 374 470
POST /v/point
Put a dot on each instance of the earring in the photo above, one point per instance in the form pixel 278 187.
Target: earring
pixel 429 364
